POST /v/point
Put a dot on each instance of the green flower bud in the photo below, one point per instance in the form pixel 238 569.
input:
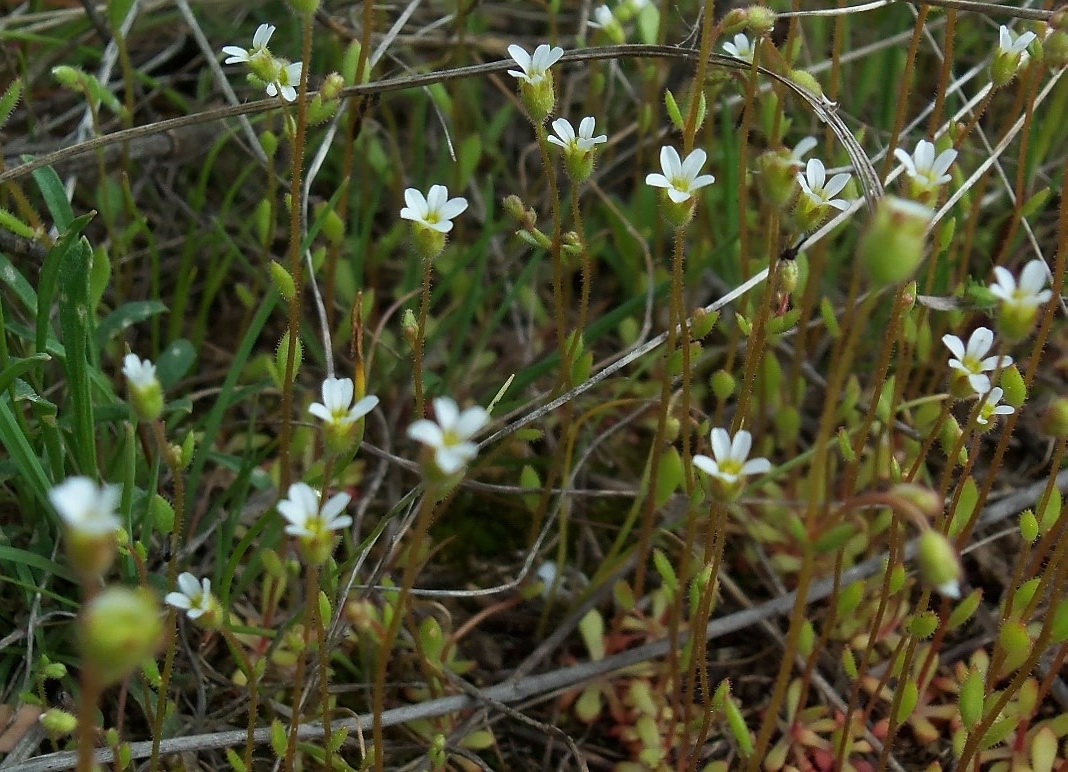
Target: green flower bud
pixel 760 20
pixel 924 499
pixel 429 243
pixel 939 564
pixel 539 98
pixel 723 385
pixel 677 214
pixel 71 77
pixel 332 86
pixel 1055 422
pixel 58 723
pixel 778 177
pixel 269 143
pixel 333 227
pixel 1015 321
pixel 282 281
pixel 1012 382
pixel 119 629
pixel 806 80
pixel 894 243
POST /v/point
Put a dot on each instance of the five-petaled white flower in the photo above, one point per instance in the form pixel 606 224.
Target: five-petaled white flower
pixel 928 170
pixel 259 46
pixel 534 68
pixel 990 407
pixel 583 141
pixel 86 508
pixel 140 373
pixel 285 81
pixel 1011 44
pixel 680 178
pixel 1030 292
pixel 451 436
pixel 801 149
pixel 972 361
pixel 194 596
pixel 602 17
pixel 435 210
pixel 740 48
pixel 337 408
pixel 306 518
pixel 818 189
pixel 730 460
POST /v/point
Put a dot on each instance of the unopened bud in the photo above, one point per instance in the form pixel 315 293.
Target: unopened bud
pixel 332 86
pixel 58 723
pixel 924 499
pixel 778 177
pixel 894 243
pixel 807 81
pixel 939 564
pixel 119 629
pixel 1055 422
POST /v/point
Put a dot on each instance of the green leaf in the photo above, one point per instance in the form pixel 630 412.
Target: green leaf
pixel 669 476
pixel 18 367
pixel 10 222
pixel 125 316
pixel 99 276
pixel 74 323
pixel 22 453
pixel 55 259
pixel 55 197
pixel 175 362
pixel 279 741
pixel 10 276
pixel 9 100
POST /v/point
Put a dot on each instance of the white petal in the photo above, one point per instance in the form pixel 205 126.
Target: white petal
pixel 449 460
pixel 670 162
pixel 236 55
pixel 721 444
pixel 520 56
pixel 436 197
pixel 838 203
pixel 446 411
pixel 906 160
pixel 815 173
pixel 263 35
pixel 177 600
pixel 335 506
pixel 587 126
pixel 691 167
pixel 453 207
pixel 678 196
pixel 470 421
pixel 944 161
pixel 702 181
pixel 426 432
pixel 289 93
pixel 955 345
pixel 756 466
pixel 363 407
pixel 657 180
pixel 804 146
pixel 924 155
pixel 741 445
pixel 980 342
pixel 272 89
pixel 834 187
pixel 189 584
pixel 1005 39
pixel 706 465
pixel 563 129
pixel 1033 276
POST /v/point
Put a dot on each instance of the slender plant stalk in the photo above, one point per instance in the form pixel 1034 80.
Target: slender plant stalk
pixel 296 264
pixel 311 619
pixel 245 664
pixel 420 336
pixel 423 519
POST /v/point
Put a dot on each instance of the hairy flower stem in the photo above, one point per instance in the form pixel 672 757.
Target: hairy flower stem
pixel 555 247
pixel 243 662
pixel 170 627
pixel 676 318
pixel 87 703
pixel 903 100
pixel 296 265
pixel 311 619
pixel 709 33
pixel 411 569
pixel 420 336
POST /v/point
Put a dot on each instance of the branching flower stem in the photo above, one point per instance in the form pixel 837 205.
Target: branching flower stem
pixel 558 267
pixel 296 264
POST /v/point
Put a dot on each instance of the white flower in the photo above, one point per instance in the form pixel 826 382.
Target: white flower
pixel 730 457
pixel 681 178
pixel 451 436
pixel 1011 44
pixel 818 189
pixel 85 507
pixel 801 149
pixel 259 46
pixel 286 79
pixel 195 596
pixel 602 17
pixel 305 517
pixel 337 408
pixel 1030 292
pixel 972 360
pixel 929 171
pixel 140 374
pixel 991 408
pixel 436 210
pixel 583 142
pixel 534 68
pixel 741 48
